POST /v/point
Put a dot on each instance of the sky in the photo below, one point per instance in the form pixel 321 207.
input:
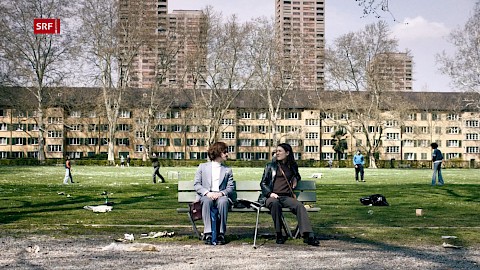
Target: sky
pixel 421 26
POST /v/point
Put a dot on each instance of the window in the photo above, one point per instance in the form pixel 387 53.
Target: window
pixel 436 116
pixel 262 129
pixel 176 128
pixel 453 130
pixel 92 141
pixel 312 122
pixel 140 134
pixel 471 123
pixel 391 123
pixel 54 148
pixel 424 156
pixel 124 114
pixel 122 141
pixel 392 136
pixel 438 130
pixel 358 129
pixel 311 149
pixel 471 136
pixel 161 115
pixel 33 141
pixel 228 135
pixel 92 114
pixel 19 127
pixel 246 129
pixel 472 150
pixel 75 114
pixel 409 143
pixel 292 115
pixel 161 141
pixel 176 114
pixel 453 117
pixel 262 115
pixel 245 142
pixel 393 149
pixel 3 141
pixel 262 156
pixel 123 127
pixel 177 155
pixel 76 127
pixel 3 127
pixel 327 142
pixel 227 122
pixel 424 130
pixel 412 116
pixel 453 143
pixel 92 127
pixel 452 155
pixel 262 142
pixel 409 129
pixel 162 128
pixel 139 148
pixel 246 115
pixel 409 156
pixel 74 141
pixel 54 134
pixel 193 142
pixel 231 148
pixel 373 129
pixel 328 129
pixel 293 142
pixel 246 156
pixel 424 116
pixel 55 120
pixel 423 143
pixel 177 142
pixel 311 135
pixel 2 113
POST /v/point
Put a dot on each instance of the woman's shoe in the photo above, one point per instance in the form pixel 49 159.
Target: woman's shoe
pixel 280 240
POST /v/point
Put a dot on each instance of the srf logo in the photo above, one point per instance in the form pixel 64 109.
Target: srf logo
pixel 46 26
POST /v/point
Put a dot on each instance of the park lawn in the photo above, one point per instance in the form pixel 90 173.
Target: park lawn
pixel 30 203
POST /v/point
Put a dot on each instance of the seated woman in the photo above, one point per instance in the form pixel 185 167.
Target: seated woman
pixel 279 179
pixel 214 186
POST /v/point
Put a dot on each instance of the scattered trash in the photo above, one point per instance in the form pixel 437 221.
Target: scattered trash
pixel 104 193
pixel 130 247
pixel 445 245
pixel 449 237
pixel 68 196
pixel 99 208
pixel 370 212
pixel 158 234
pixel 33 249
pixel 61 193
pixel 129 237
pixel 419 212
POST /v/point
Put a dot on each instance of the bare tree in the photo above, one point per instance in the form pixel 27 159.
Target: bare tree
pixel 36 61
pixel 464 66
pixel 227 70
pixel 352 66
pixel 276 74
pixel 112 44
pixel 375 8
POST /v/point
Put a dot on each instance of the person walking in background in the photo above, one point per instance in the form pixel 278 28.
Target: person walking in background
pixel 68 171
pixel 330 162
pixel 358 163
pixel 279 179
pixel 437 160
pixel 122 161
pixel 128 160
pixel 156 169
pixel 213 183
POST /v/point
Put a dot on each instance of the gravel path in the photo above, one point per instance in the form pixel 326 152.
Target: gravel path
pixel 97 253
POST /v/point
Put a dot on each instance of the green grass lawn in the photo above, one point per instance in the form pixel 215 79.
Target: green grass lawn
pixel 30 203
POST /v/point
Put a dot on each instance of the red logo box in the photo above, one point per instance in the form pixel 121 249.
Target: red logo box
pixel 46 26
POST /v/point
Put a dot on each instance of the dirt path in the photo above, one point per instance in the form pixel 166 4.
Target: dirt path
pixel 98 253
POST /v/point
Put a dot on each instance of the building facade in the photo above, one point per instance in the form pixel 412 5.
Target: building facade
pixel 301 32
pixel 181 132
pixel 395 69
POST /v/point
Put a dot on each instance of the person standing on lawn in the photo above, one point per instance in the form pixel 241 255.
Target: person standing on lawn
pixel 213 183
pixel 279 179
pixel 358 163
pixel 437 160
pixel 68 171
pixel 156 169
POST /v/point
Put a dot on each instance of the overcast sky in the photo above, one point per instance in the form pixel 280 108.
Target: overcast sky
pixel 420 26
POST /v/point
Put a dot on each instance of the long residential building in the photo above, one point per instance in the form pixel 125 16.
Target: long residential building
pixel 79 129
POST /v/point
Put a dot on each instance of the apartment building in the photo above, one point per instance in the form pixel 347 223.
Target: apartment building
pixel 170 39
pixel 394 70
pixel 181 132
pixel 301 31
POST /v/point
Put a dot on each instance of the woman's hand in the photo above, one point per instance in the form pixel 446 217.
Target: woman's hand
pixel 274 195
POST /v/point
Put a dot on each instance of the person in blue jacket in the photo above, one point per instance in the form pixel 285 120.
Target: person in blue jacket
pixel 358 163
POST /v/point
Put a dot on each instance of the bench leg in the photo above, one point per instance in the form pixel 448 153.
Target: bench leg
pixel 256 226
pixel 286 228
pixel 194 226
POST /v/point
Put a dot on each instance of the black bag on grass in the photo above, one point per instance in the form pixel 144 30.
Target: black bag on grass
pixel 375 199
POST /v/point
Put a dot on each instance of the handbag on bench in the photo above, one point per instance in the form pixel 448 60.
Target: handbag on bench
pixel 195 210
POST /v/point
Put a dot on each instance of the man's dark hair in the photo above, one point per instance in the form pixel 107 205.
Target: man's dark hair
pixel 215 150
pixel 434 145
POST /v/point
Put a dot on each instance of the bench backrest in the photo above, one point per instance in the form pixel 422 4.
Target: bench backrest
pixel 250 190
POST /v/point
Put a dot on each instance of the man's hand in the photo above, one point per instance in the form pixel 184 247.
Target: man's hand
pixel 214 195
pixel 274 195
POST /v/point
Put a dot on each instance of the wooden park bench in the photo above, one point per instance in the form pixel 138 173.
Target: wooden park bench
pixel 247 193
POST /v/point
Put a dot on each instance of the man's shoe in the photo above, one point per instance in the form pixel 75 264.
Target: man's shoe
pixel 312 241
pixel 221 239
pixel 280 240
pixel 208 239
